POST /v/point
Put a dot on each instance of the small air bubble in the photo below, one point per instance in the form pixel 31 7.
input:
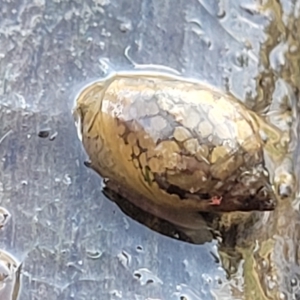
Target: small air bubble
pixel 294 282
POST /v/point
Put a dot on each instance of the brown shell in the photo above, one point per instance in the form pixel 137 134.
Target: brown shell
pixel 170 145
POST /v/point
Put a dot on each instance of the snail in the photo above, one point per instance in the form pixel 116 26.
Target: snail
pixel 174 146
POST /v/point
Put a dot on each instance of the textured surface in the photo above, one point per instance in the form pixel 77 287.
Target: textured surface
pixel 73 243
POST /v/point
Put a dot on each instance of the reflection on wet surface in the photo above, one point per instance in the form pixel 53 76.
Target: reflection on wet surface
pixel 73 242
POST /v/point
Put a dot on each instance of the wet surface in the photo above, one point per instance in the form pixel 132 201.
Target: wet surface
pixel 71 241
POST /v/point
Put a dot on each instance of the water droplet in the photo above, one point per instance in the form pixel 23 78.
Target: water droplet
pixel 102 45
pixel 53 136
pixel 146 277
pixel 207 278
pixel 67 179
pixel 44 133
pixel 116 293
pixel 219 280
pixel 125 259
pixel 93 254
pixel 125 26
pixel 251 9
pixel 186 293
pixel 294 282
pixel 105 33
pixel 139 248
pixel 221 12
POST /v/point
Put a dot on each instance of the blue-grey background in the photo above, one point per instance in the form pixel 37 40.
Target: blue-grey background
pixel 74 243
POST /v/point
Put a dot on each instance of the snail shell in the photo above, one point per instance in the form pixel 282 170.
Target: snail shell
pixel 173 146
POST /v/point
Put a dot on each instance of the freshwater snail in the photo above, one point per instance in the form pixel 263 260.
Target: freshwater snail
pixel 175 146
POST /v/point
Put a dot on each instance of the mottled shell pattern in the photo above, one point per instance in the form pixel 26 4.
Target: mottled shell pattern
pixel 175 146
